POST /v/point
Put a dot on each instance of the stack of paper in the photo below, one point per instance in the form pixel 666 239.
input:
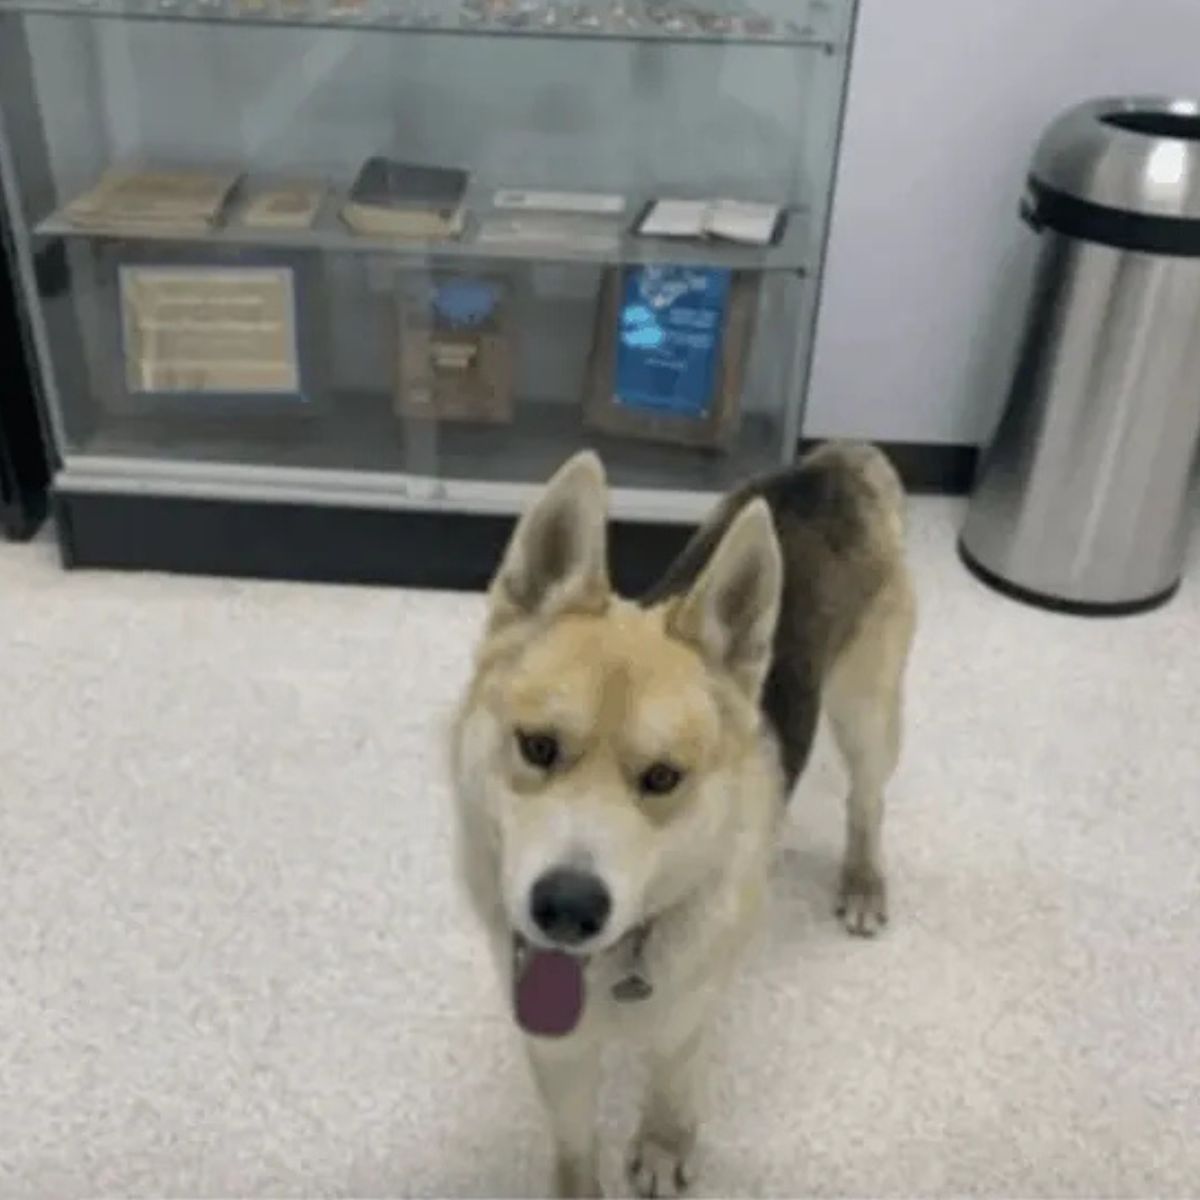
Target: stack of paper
pixel 136 199
pixel 564 233
pixel 291 205
pixel 596 204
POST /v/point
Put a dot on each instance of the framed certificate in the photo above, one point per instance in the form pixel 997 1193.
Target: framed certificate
pixel 200 331
pixel 224 331
pixel 670 351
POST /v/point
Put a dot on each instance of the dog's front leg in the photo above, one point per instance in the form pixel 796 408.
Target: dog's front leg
pixel 568 1077
pixel 659 1160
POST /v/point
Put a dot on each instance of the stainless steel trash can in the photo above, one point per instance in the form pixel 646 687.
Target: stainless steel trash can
pixel 1083 497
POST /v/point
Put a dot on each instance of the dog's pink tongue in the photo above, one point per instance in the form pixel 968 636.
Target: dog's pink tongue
pixel 548 993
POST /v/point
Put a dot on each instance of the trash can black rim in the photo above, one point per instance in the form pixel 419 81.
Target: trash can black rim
pixel 1145 233
pixel 1156 123
pixel 1072 608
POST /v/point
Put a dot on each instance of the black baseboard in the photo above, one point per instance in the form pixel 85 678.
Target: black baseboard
pixel 929 468
pixel 319 543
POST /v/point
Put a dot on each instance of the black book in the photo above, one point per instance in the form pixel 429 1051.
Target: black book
pixel 407 198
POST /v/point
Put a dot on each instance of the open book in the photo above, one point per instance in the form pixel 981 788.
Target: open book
pixel 731 220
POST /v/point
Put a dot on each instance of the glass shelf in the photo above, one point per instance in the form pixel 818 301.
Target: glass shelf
pixel 817 24
pixel 794 251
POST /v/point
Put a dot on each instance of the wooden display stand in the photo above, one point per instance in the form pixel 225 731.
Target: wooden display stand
pixel 455 373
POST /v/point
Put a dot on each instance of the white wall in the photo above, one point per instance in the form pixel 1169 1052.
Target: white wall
pixel 947 99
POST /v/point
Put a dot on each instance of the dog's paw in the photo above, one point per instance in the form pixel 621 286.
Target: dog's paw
pixel 862 901
pixel 658 1170
pixel 575 1180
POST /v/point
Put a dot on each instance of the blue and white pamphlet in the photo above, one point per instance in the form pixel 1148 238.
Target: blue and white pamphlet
pixel 671 322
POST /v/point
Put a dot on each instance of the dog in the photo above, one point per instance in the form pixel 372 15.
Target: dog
pixel 621 768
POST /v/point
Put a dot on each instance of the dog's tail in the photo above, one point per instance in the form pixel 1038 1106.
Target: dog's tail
pixel 874 471
pixel 825 482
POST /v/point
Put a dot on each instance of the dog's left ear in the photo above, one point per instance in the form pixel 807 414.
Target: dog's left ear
pixel 732 609
pixel 557 560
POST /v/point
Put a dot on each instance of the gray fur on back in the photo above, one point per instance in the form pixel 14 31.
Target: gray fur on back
pixel 829 512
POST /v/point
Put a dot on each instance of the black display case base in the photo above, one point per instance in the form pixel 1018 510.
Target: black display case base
pixel 404 547
pixel 320 543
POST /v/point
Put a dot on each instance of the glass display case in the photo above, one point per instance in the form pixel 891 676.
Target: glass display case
pixel 327 287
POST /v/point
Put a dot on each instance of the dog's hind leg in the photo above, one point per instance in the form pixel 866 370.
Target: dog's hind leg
pixel 864 700
pixel 567 1074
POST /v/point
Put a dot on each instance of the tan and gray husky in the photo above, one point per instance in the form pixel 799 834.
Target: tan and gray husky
pixel 621 767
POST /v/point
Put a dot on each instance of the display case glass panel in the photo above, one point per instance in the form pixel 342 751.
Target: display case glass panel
pixel 418 252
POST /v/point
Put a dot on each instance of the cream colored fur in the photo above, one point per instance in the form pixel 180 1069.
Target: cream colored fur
pixel 627 684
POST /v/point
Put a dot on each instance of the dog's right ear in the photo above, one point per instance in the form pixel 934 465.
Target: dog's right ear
pixel 557 560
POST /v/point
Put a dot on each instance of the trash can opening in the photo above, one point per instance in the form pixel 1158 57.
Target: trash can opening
pixel 1182 126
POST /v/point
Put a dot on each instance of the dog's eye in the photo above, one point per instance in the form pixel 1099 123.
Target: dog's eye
pixel 538 749
pixel 659 779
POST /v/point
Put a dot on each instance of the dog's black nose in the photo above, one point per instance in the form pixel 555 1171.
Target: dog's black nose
pixel 570 906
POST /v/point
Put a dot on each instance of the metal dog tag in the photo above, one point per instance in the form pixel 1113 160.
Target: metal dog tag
pixel 635 986
pixel 631 989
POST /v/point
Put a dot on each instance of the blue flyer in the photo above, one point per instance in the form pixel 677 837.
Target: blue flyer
pixel 671 322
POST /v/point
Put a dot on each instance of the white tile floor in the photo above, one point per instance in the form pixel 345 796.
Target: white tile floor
pixel 234 961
